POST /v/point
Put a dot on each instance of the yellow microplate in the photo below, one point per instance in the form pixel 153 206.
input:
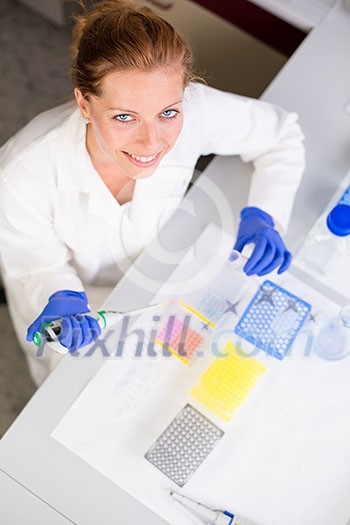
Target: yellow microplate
pixel 226 383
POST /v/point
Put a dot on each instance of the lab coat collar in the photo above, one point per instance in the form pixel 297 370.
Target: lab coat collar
pixel 71 155
pixel 75 172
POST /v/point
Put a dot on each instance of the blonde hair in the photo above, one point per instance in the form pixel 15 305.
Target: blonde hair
pixel 117 36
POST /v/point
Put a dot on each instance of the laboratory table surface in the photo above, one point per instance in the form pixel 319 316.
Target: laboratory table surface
pixel 42 481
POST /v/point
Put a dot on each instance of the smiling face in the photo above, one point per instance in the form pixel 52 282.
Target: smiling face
pixel 135 122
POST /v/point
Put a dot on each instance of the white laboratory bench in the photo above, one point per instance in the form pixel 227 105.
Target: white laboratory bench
pixel 304 14
pixel 20 505
pixel 41 481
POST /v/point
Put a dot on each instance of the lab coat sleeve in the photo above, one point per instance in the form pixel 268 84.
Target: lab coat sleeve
pixel 30 251
pixel 261 133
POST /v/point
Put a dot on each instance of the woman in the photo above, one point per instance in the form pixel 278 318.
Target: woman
pixel 83 186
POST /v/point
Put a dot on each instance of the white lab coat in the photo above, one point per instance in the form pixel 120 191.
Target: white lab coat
pixel 60 226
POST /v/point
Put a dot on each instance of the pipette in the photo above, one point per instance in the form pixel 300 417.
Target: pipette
pixel 51 331
pixel 208 515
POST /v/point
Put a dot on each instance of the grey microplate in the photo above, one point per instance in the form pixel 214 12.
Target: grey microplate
pixel 184 445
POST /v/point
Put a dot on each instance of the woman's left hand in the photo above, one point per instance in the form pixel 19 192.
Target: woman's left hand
pixel 270 252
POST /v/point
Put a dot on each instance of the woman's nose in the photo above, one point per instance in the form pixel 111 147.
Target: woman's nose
pixel 148 137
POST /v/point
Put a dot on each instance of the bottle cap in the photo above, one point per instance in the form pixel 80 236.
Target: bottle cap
pixel 338 220
pixel 237 260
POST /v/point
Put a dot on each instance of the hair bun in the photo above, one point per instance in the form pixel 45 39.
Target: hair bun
pixel 116 35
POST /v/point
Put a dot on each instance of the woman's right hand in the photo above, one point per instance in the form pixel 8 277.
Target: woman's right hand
pixel 77 330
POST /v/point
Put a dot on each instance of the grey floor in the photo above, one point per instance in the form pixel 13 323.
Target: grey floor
pixel 34 76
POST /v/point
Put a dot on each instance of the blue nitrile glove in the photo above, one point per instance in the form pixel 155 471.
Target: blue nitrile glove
pixel 77 330
pixel 269 253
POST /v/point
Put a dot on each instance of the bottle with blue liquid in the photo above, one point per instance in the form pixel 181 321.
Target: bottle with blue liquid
pixel 328 241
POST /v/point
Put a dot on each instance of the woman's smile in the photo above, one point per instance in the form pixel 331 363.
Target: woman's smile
pixel 143 161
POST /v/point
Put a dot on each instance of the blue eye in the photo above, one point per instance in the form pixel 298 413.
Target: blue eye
pixel 170 113
pixel 123 118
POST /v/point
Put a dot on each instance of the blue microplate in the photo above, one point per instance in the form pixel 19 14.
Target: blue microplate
pixel 273 319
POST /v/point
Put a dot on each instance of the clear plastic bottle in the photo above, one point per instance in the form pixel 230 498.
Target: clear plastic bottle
pixel 333 339
pixel 328 240
pixel 237 260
